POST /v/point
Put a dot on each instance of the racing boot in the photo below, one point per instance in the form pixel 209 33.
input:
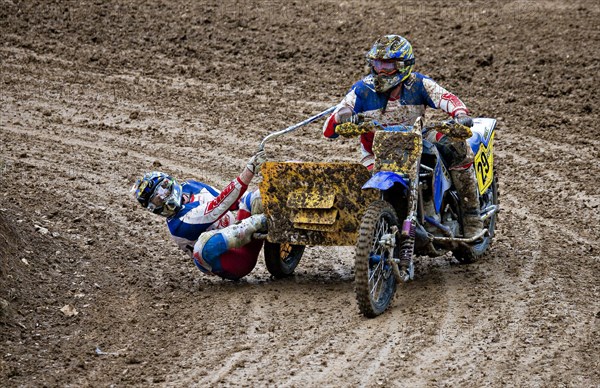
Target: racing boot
pixel 240 234
pixel 429 210
pixel 466 185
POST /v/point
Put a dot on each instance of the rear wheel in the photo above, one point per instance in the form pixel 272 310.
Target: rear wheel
pixel 375 284
pixel 473 252
pixel 281 259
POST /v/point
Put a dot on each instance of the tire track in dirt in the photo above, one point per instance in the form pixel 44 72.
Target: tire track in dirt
pixel 259 335
pixel 212 360
pixel 83 146
pixel 313 332
pixel 509 334
pixel 352 344
pixel 537 292
pixel 532 292
pixel 307 337
pixel 455 322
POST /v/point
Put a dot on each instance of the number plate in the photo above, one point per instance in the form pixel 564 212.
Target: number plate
pixel 484 165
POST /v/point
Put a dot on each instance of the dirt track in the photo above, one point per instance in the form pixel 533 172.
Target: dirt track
pixel 93 95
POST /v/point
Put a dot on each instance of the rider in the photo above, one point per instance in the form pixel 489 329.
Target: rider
pixel 394 95
pixel 201 219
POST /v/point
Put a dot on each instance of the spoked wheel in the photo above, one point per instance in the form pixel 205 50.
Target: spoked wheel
pixel 375 284
pixel 472 253
pixel 281 259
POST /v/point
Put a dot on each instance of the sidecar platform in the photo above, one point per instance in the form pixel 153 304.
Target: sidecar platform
pixel 314 203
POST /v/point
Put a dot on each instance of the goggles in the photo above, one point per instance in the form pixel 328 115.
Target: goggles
pixel 390 67
pixel 160 195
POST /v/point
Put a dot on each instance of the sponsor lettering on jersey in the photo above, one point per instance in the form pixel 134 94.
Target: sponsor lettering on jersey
pixel 452 104
pixel 452 99
pixel 219 200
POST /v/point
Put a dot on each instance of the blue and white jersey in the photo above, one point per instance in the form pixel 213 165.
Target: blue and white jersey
pixel 416 94
pixel 204 209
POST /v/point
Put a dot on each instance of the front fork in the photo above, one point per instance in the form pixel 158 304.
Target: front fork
pixel 408 231
pixel 403 266
pixel 388 241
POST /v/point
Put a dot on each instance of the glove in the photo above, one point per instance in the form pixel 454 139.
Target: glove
pixel 453 129
pixel 256 161
pixel 352 130
pixel 346 115
pixel 465 120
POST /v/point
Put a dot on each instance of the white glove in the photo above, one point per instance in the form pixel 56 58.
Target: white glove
pixel 346 115
pixel 256 161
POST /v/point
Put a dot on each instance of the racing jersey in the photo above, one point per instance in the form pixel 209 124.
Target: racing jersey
pixel 417 93
pixel 204 209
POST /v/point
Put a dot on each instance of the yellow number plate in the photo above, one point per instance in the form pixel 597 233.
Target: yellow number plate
pixel 484 165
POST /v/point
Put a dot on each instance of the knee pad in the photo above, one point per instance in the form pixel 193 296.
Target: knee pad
pixel 455 152
pixel 208 249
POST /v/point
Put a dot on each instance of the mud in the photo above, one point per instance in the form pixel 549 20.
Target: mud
pixel 315 203
pixel 93 94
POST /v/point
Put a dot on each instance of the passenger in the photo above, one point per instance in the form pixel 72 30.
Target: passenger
pixel 202 221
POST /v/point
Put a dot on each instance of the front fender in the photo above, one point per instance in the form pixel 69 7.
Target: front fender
pixel 384 180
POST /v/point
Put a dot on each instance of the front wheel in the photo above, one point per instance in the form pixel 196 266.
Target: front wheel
pixel 281 259
pixel 374 280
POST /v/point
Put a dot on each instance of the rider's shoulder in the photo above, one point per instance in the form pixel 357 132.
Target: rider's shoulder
pixel 419 78
pixel 190 183
pixel 193 186
pixel 419 82
pixel 364 85
pixel 416 77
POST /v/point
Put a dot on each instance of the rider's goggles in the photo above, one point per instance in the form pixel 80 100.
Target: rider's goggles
pixel 160 195
pixel 390 67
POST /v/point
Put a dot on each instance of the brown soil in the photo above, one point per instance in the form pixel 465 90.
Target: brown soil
pixel 93 93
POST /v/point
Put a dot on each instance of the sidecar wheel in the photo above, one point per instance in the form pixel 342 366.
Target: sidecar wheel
pixel 468 255
pixel 374 280
pixel 281 259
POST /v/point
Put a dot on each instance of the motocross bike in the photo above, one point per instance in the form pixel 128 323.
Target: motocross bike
pixel 408 207
pixel 419 210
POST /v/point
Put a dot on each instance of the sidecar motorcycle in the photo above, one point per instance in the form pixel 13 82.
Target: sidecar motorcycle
pixel 406 207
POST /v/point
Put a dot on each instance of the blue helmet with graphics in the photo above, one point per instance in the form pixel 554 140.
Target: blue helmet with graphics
pixel 391 60
pixel 158 192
